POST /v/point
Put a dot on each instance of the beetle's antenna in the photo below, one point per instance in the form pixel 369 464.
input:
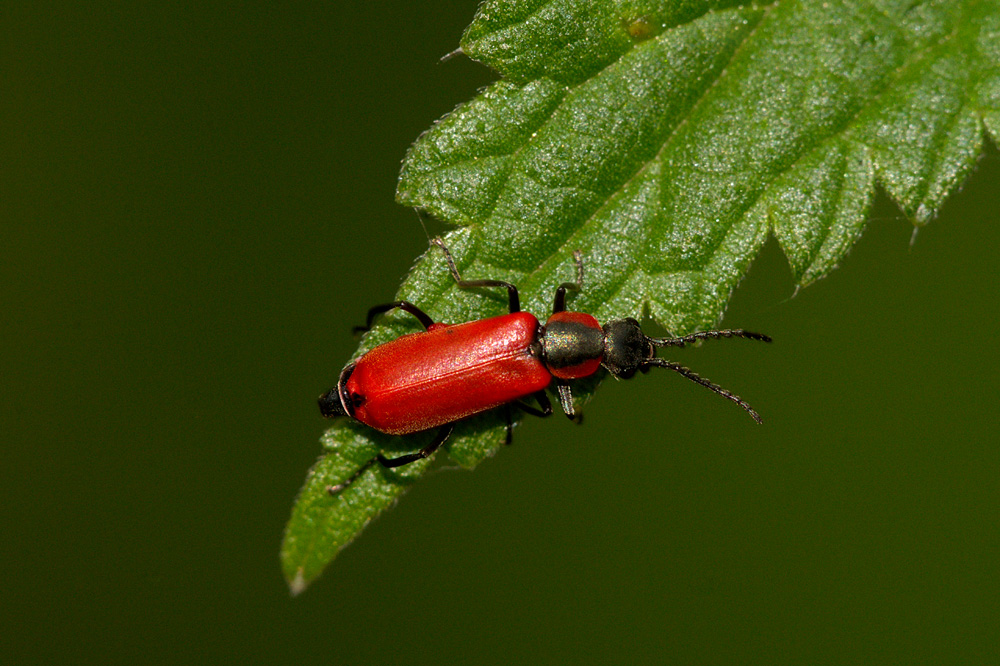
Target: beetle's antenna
pixel 698 379
pixel 708 335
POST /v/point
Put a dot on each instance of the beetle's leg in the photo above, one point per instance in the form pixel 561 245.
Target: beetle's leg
pixel 333 490
pixel 513 300
pixel 560 302
pixel 566 400
pixel 546 410
pixel 405 306
pixel 509 429
pixel 443 434
pixel 543 402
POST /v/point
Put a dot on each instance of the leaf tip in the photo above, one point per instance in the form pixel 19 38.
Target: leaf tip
pixel 298 584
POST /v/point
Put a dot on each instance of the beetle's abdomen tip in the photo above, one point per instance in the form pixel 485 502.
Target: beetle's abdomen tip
pixel 329 404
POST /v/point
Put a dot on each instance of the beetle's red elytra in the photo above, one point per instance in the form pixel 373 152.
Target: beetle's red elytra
pixel 424 380
pixel 448 372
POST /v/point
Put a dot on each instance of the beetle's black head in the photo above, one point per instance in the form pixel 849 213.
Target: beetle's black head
pixel 626 347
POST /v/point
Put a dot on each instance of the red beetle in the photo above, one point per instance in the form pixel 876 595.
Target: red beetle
pixel 450 371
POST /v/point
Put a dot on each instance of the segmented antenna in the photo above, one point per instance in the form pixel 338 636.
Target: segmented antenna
pixel 698 379
pixel 709 335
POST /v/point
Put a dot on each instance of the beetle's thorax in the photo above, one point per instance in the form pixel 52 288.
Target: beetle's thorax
pixel 572 345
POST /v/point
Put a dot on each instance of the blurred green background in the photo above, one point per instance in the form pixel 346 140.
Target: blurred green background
pixel 197 205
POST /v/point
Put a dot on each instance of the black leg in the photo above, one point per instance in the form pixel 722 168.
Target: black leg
pixel 439 439
pixel 514 301
pixel 543 402
pixel 443 434
pixel 560 303
pixel 546 410
pixel 509 430
pixel 333 490
pixel 405 306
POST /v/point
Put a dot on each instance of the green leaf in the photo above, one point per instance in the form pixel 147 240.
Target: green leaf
pixel 666 141
pixel 322 523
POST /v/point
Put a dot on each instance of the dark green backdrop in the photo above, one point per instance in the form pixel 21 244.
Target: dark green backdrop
pixel 196 205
